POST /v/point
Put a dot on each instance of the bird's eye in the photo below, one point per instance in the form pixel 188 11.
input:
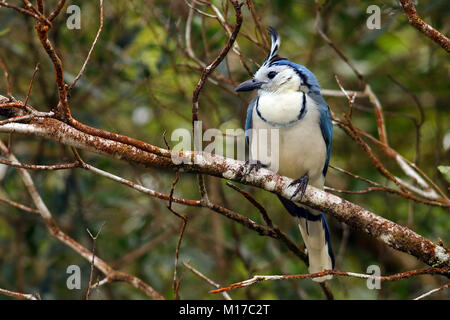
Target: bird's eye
pixel 271 74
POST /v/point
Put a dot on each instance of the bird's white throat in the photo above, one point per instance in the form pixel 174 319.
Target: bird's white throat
pixel 281 108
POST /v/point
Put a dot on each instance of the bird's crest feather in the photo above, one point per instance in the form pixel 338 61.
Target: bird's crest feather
pixel 273 54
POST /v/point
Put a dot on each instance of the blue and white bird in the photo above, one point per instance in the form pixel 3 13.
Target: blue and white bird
pixel 289 100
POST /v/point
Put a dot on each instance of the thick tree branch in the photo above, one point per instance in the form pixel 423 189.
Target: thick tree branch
pixel 392 234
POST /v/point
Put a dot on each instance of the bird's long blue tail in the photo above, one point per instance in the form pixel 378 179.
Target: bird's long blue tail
pixel 316 235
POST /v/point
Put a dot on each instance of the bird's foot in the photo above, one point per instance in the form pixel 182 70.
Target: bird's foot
pixel 302 184
pixel 254 165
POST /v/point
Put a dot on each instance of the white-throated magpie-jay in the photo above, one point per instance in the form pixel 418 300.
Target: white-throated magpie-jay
pixel 290 101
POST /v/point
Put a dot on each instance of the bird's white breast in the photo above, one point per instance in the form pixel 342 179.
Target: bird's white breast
pixel 301 148
pixel 280 108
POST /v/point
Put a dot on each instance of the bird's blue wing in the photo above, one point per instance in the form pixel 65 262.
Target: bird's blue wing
pixel 326 126
pixel 248 119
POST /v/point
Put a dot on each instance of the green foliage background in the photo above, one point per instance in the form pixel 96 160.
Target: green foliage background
pixel 137 67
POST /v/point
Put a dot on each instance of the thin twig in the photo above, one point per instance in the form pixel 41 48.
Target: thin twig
pixel 40 5
pixel 26 296
pixel 176 282
pixel 253 201
pixel 394 277
pixel 36 69
pixel 339 93
pixel 83 68
pixel 139 252
pixel 37 15
pixel 187 33
pixel 201 275
pixel 447 285
pixel 62 166
pixel 7 79
pixel 192 6
pixel 319 29
pixel 350 97
pixel 94 240
pixel 63 105
pixel 19 206
pixel 57 10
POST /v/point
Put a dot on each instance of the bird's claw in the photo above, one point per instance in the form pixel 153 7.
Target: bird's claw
pixel 253 165
pixel 302 184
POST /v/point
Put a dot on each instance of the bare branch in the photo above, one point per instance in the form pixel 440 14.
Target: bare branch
pixel 394 235
pixel 192 6
pixel 83 68
pixel 253 201
pixel 19 205
pixel 394 277
pixel 8 81
pixel 94 240
pixel 62 166
pixel 26 296
pixel 30 12
pixel 57 10
pixel 201 275
pixel 416 21
pixel 447 285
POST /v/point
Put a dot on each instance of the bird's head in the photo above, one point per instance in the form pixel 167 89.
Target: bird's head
pixel 278 75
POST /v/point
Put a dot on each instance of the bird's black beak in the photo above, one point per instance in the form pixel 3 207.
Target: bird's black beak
pixel 249 85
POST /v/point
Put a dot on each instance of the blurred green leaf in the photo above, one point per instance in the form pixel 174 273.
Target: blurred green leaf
pixel 4 31
pixel 445 170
